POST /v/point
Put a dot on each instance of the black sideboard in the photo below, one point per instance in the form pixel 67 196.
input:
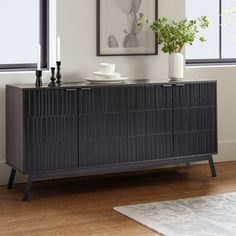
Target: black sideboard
pixel 84 129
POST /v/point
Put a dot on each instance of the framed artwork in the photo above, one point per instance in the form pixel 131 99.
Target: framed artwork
pixel 118 31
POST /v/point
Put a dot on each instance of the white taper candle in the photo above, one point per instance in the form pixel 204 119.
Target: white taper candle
pixel 39 58
pixel 53 61
pixel 58 48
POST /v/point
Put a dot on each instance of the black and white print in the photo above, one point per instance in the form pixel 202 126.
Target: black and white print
pixel 119 30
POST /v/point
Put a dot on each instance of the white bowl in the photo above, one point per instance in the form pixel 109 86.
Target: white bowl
pixel 117 80
pixel 111 76
pixel 107 68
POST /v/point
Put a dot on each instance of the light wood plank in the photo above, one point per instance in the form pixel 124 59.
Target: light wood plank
pixel 84 206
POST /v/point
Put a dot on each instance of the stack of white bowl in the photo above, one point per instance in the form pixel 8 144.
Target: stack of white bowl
pixel 106 74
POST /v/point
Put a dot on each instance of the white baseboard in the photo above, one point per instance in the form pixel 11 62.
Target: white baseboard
pixel 227 152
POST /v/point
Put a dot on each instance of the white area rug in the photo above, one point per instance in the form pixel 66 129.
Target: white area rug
pixel 201 216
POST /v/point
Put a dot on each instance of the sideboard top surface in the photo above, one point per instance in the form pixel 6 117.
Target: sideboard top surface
pixel 82 84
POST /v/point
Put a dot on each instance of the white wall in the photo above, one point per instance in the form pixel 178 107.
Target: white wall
pixel 77 27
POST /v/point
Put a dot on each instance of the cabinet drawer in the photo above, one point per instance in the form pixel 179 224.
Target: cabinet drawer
pixel 102 100
pixel 148 97
pixel 50 102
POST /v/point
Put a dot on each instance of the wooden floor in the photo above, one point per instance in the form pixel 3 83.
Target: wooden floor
pixel 83 206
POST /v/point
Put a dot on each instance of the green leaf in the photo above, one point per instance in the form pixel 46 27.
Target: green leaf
pixel 173 35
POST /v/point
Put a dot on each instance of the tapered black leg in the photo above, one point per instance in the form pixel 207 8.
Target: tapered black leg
pixel 212 167
pixel 28 188
pixel 188 165
pixel 11 178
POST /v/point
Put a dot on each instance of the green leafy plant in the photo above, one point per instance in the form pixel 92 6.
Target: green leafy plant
pixel 174 35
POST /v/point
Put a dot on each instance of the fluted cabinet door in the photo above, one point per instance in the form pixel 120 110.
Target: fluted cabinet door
pixel 102 126
pixel 149 122
pixel 51 130
pixel 195 119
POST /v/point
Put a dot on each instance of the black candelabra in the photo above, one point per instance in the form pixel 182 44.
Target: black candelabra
pixel 38 82
pixel 53 78
pixel 58 73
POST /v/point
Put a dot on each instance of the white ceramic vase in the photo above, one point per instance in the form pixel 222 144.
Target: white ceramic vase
pixel 176 66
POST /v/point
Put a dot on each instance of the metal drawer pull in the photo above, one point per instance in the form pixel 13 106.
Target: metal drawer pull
pixel 180 85
pixel 70 90
pixel 85 89
pixel 166 85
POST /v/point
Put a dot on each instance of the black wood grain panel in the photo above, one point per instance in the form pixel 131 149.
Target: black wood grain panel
pixel 125 124
pixel 150 129
pixel 51 132
pixel 102 126
pixel 195 119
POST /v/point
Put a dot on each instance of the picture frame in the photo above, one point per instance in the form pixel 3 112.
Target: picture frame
pixel 118 32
